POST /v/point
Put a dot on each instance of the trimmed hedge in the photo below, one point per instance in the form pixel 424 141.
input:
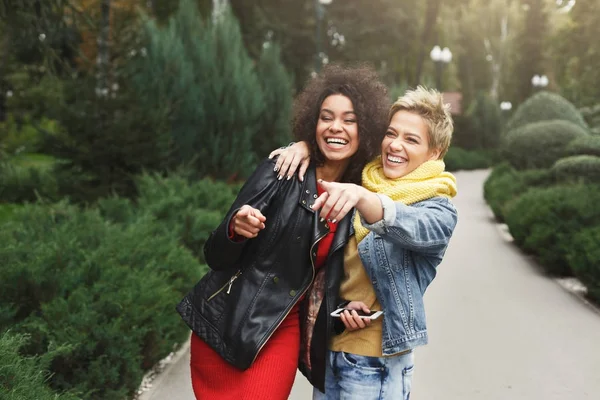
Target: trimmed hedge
pixel 505 184
pixel 540 144
pixel 544 106
pixel 22 377
pixel 460 159
pixel 582 168
pixel 544 221
pixel 589 145
pixel 584 259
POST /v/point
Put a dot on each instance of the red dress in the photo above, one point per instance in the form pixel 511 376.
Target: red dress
pixel 271 376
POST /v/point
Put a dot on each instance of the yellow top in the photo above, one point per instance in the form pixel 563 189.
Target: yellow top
pixel 356 285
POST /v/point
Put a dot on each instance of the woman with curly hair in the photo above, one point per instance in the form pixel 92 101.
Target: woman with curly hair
pixel 247 311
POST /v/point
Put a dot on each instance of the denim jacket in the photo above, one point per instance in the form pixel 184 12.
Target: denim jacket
pixel 400 255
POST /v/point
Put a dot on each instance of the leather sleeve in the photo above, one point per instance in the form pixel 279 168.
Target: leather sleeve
pixel 220 251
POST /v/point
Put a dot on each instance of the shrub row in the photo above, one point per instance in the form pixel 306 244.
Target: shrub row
pixel 103 282
pixel 25 377
pixel 540 144
pixel 460 159
pixel 505 184
pixel 544 221
pixel 553 214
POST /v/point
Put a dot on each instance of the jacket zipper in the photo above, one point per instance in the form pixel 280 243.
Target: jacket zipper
pixel 227 285
pixel 288 312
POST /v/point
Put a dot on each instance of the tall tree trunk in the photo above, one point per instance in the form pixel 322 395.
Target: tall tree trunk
pixel 431 14
pixel 218 8
pixel 498 59
pixel 102 61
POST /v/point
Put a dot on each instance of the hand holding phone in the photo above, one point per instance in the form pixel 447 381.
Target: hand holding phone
pixel 362 314
pixel 356 315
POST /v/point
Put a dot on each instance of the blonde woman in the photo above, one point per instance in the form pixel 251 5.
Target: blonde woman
pixel 402 226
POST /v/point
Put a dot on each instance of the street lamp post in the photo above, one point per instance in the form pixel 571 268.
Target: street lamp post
pixel 539 82
pixel 441 57
pixel 320 12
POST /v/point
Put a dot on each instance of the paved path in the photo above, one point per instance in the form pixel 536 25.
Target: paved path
pixel 499 329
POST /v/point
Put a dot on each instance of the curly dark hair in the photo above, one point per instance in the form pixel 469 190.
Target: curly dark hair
pixel 371 106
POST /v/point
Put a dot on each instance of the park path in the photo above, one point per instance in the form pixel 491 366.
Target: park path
pixel 499 329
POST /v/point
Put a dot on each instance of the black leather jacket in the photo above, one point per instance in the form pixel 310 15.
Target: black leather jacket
pixel 253 284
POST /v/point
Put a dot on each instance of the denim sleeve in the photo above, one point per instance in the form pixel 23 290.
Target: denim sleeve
pixel 424 227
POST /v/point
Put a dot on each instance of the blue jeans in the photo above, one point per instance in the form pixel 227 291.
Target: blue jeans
pixel 349 377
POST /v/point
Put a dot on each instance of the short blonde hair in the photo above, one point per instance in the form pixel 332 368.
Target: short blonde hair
pixel 429 104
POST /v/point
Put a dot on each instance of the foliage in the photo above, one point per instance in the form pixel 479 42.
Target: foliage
pixel 276 87
pixel 540 144
pixel 582 168
pixel 592 117
pixel 23 377
pixel 202 72
pixel 105 141
pixel 24 135
pixel 20 183
pixel 460 159
pixel 485 32
pixel 576 52
pixel 529 55
pixel 85 283
pixel 183 207
pixel 484 124
pixel 544 221
pixel 584 260
pixel 505 184
pixel 589 145
pixel 545 106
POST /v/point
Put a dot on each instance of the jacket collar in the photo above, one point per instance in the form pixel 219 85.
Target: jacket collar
pixel 309 189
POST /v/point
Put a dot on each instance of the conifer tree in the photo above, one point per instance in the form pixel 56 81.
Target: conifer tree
pixel 530 48
pixel 201 69
pixel 277 90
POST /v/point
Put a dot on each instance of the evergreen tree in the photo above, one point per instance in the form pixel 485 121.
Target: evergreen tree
pixel 203 72
pixel 577 54
pixel 530 49
pixel 277 90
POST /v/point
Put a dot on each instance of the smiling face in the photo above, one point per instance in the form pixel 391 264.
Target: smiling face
pixel 406 145
pixel 337 129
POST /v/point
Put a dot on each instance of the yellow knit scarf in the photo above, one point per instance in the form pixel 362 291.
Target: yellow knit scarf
pixel 427 181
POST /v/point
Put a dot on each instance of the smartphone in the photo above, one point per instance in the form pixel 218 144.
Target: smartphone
pixel 361 313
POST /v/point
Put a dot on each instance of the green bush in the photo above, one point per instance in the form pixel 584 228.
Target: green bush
pixel 582 168
pixel 106 290
pixel 544 221
pixel 460 159
pixel 589 145
pixel 485 121
pixel 505 184
pixel 545 106
pixel 25 135
pixel 189 209
pixel 540 144
pixel 591 116
pixel 584 259
pixel 26 183
pixel 22 377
